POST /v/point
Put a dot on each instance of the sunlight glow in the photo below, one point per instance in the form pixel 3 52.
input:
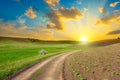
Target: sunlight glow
pixel 84 39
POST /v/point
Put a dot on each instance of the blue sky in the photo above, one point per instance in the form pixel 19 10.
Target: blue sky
pixel 11 9
pixel 35 13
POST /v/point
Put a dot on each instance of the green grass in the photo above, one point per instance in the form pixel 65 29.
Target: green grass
pixel 17 55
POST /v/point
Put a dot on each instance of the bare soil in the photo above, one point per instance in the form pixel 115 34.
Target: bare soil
pixel 98 64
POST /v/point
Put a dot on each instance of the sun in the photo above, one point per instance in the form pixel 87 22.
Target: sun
pixel 84 39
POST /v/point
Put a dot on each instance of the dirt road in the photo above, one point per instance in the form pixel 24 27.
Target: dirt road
pixel 52 71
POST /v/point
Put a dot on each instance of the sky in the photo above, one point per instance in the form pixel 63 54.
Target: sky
pixel 60 19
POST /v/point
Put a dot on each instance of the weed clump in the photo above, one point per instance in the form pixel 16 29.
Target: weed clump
pixel 43 52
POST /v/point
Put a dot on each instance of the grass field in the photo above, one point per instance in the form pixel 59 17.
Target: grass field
pixel 17 55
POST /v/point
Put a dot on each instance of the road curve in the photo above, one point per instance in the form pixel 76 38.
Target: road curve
pixel 53 71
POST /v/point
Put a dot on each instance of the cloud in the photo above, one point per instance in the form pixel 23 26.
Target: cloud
pixel 50 25
pixel 9 30
pixel 21 20
pixel 101 22
pixel 31 13
pixel 116 11
pixel 109 20
pixel 54 21
pixel 114 32
pixel 41 33
pixel 52 2
pixel 102 10
pixel 114 4
pixel 85 10
pixel 56 17
pixel 71 13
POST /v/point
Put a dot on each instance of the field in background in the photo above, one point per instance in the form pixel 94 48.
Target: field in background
pixel 15 55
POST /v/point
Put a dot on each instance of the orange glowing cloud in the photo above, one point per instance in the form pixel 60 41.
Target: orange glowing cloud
pixel 102 10
pixel 30 13
pixel 114 32
pixel 9 30
pixel 109 20
pixel 58 16
pixel 52 2
pixel 113 23
pixel 71 13
pixel 114 4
